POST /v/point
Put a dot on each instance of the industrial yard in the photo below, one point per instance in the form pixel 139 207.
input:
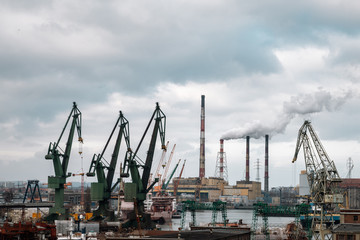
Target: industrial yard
pixel 145 197
pixel 179 120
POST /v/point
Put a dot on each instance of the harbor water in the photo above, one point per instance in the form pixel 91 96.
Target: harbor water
pixel 203 218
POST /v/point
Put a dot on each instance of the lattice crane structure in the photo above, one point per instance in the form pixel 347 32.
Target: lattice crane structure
pixel 323 179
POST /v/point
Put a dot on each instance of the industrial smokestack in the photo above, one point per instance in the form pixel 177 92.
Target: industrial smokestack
pixel 202 139
pixel 247 158
pixel 222 158
pixel 266 187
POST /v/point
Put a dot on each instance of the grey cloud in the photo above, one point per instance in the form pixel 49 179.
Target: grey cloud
pixel 69 51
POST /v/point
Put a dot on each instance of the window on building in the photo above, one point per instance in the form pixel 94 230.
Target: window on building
pixel 356 218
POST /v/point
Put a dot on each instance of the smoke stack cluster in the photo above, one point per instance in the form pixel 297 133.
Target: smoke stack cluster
pixel 266 187
pixel 202 139
pixel 222 158
pixel 266 177
pixel 247 159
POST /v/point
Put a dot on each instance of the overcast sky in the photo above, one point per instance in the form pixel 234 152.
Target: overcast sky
pixel 263 66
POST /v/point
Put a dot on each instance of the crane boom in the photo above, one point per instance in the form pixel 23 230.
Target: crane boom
pixel 163 178
pixel 156 175
pixel 160 124
pixel 61 162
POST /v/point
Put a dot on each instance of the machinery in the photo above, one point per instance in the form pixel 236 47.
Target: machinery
pixel 102 189
pixel 157 175
pixel 136 190
pixel 60 160
pixel 323 179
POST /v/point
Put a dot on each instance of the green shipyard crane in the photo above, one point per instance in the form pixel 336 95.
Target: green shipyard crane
pixel 60 160
pixel 102 189
pixel 323 179
pixel 136 190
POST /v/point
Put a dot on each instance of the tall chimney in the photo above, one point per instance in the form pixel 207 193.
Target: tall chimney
pixel 266 187
pixel 202 139
pixel 222 158
pixel 247 158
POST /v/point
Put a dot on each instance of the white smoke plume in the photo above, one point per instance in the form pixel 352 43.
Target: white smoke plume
pixel 298 105
pixel 316 102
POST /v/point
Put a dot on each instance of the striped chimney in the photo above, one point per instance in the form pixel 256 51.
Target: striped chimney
pixel 247 158
pixel 266 187
pixel 202 139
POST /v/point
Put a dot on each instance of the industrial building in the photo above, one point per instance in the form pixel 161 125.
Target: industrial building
pixel 351 189
pixel 349 227
pixel 211 189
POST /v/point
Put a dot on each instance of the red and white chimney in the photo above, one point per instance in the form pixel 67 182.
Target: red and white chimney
pixel 222 158
pixel 202 139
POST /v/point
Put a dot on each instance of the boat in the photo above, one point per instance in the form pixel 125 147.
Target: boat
pixel 162 208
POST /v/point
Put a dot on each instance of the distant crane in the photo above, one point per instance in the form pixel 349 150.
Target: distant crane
pixel 60 160
pixel 350 166
pixel 163 178
pixel 323 178
pixel 102 189
pixel 156 174
pixel 165 184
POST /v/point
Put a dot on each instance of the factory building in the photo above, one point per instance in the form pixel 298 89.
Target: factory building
pixel 212 189
pixel 209 188
pixel 351 189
